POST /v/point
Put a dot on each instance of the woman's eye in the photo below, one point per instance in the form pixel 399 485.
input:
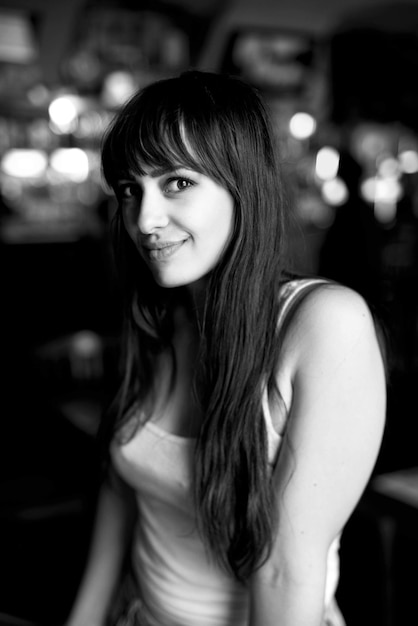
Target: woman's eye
pixel 127 190
pixel 174 185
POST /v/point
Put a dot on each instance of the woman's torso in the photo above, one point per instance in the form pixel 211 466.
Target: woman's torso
pixel 179 584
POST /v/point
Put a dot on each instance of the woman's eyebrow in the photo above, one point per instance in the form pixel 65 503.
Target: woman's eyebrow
pixel 164 169
pixel 153 172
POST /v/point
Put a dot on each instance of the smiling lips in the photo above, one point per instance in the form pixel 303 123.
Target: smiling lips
pixel 161 252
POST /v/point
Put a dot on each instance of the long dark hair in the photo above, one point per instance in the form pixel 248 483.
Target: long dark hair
pixel 217 125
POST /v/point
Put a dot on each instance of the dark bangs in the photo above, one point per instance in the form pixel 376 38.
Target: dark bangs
pixel 168 128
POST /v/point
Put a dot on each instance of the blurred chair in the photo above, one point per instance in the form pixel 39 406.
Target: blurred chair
pixel 49 474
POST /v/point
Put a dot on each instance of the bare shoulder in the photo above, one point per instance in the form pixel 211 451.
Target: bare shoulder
pixel 332 319
pixel 332 308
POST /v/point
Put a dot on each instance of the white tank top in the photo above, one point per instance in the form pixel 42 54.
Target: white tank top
pixel 179 584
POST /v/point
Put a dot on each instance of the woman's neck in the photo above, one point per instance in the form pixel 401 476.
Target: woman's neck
pixel 192 305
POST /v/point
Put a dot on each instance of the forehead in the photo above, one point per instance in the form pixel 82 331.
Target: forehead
pixel 137 150
pixel 164 148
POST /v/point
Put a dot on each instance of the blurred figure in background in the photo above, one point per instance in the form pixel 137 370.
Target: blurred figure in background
pixel 252 405
pixel 352 247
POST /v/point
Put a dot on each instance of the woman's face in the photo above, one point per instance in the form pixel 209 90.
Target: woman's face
pixel 179 220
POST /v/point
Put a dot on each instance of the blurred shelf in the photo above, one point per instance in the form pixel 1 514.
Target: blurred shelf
pixel 20 231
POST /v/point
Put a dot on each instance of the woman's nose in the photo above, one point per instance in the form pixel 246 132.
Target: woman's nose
pixel 152 213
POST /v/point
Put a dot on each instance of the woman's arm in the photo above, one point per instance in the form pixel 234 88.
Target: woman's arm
pixel 333 436
pixel 110 539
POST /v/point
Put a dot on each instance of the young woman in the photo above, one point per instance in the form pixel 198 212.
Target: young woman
pixel 252 405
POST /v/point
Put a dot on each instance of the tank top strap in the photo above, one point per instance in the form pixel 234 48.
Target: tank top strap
pixel 293 292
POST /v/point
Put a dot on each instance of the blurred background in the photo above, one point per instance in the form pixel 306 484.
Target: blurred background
pixel 341 79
